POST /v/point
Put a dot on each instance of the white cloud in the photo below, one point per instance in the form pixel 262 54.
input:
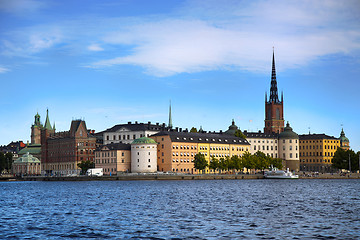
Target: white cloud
pixel 4 69
pixel 300 33
pixel 95 47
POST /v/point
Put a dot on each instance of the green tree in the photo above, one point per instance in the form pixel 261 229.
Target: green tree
pixel 238 133
pixel 214 164
pixel 200 162
pixel 193 130
pixel 276 163
pixel 341 159
pixel 261 160
pixel 2 161
pixel 236 163
pixel 85 165
pixel 248 161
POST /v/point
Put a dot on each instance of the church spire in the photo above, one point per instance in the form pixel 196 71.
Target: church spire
pixel 170 119
pixel 47 121
pixel 273 90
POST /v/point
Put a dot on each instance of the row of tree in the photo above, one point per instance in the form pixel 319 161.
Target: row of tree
pixel 342 158
pixel 257 161
pixel 5 161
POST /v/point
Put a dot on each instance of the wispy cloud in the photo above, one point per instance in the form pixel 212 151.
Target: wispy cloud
pixel 4 69
pixel 21 6
pixel 300 32
pixel 95 47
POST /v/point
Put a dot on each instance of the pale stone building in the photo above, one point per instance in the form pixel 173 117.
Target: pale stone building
pixel 143 155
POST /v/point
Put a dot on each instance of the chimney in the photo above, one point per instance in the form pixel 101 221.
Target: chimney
pixel 180 129
pixel 157 124
pixel 220 131
pixel 176 129
pixel 129 122
pixel 136 122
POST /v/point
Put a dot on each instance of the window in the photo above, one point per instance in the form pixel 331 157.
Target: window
pixel 290 155
pixel 149 160
pixel 149 166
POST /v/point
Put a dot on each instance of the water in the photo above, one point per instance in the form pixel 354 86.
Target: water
pixel 223 209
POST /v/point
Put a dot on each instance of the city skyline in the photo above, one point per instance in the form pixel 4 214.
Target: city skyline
pixel 118 61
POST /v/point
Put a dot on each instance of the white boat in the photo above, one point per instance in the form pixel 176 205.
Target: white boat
pixel 280 174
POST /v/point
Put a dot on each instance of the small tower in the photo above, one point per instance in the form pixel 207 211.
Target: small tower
pixel 36 130
pixel 344 141
pixel 274 109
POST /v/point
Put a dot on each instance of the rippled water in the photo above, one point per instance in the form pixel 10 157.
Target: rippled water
pixel 223 209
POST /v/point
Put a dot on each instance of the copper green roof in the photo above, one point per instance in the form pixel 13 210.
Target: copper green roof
pixel 47 121
pixel 288 133
pixel 27 158
pixel 144 140
pixel 32 149
pixel 343 138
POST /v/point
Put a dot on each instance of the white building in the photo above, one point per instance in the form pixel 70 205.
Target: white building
pixel 127 133
pixel 143 155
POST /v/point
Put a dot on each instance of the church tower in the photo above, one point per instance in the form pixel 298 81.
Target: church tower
pixel 274 110
pixel 36 130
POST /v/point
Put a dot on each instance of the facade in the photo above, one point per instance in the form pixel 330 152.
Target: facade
pixel 26 165
pixel 176 150
pixel 344 141
pixel 264 142
pixel 113 158
pixel 62 151
pixel 127 133
pixel 317 151
pixel 289 148
pixel 143 155
pixel 274 109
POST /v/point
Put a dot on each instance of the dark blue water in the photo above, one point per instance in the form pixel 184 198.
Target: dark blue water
pixel 224 209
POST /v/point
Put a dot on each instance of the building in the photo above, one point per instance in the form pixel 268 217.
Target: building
pixel 113 158
pixel 344 141
pixel 62 151
pixel 26 165
pixel 317 151
pixel 264 142
pixel 177 149
pixel 36 129
pixel 143 155
pixel 274 109
pixel 127 133
pixel 289 148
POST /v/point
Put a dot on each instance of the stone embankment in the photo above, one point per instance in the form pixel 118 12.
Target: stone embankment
pixel 132 177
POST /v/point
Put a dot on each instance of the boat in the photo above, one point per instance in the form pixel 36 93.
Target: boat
pixel 280 174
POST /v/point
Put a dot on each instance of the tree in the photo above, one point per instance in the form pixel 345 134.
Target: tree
pixel 239 134
pixel 248 161
pixel 2 162
pixel 200 162
pixel 341 159
pixel 261 160
pixel 276 163
pixel 193 130
pixel 214 164
pixel 85 165
pixel 236 163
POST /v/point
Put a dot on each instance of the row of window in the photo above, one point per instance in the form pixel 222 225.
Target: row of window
pixel 263 141
pixel 183 160
pixel 316 160
pixel 313 141
pixel 124 137
pixel 263 148
pixel 318 154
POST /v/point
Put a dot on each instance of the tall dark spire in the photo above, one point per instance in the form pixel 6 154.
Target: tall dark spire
pixel 273 90
pixel 170 118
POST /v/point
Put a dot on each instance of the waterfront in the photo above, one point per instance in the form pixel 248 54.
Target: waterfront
pixel 213 209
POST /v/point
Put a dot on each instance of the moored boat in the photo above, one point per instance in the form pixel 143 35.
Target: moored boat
pixel 280 174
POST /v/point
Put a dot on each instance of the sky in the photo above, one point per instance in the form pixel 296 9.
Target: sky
pixel 113 61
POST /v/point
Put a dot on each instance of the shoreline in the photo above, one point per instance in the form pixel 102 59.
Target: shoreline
pixel 154 177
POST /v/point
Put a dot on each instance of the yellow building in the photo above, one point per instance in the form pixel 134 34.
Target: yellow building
pixel 176 150
pixel 316 152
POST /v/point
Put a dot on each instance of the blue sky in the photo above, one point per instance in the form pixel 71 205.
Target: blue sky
pixel 111 62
